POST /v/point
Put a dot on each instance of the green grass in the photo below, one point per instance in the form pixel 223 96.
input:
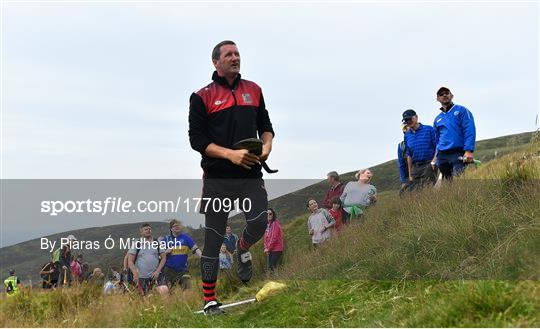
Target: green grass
pixel 466 255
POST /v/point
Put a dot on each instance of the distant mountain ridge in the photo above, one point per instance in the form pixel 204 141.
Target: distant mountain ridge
pixel 27 257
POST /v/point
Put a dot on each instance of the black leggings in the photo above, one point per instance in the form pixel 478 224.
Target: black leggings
pixel 252 197
pixel 273 259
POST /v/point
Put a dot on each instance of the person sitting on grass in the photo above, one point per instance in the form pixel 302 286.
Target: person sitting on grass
pixel 319 223
pixel 49 275
pixel 359 195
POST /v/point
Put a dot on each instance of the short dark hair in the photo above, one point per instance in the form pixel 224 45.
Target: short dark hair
pixel 337 200
pixel 334 175
pixel 307 203
pixel 216 52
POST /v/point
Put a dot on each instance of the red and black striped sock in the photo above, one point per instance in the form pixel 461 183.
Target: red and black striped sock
pixel 209 290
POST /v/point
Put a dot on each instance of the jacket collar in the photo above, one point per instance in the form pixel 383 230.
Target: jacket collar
pixel 449 108
pixel 222 81
pixel 333 187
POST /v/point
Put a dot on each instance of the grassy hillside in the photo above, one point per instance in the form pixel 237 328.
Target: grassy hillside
pixel 466 255
pixel 386 176
pixel 27 257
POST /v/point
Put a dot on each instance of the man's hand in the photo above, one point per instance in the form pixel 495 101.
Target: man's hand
pixel 267 148
pixel 136 276
pixel 469 157
pixel 64 267
pixel 243 158
pixel 155 274
pixel 410 179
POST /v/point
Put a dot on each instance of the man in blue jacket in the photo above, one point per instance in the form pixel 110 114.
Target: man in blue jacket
pixel 456 135
pixel 420 144
pixel 402 163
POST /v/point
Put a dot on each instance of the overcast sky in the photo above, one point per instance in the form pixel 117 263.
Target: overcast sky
pixel 101 89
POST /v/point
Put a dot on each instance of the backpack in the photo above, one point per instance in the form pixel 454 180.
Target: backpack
pixel 9 288
pixel 129 274
pixel 56 255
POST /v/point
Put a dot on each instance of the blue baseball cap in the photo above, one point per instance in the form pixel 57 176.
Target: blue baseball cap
pixel 408 114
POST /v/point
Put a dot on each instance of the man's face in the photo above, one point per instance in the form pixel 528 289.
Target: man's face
pixel 411 122
pixel 228 63
pixel 146 232
pixel 228 230
pixel 330 180
pixel 176 229
pixel 445 97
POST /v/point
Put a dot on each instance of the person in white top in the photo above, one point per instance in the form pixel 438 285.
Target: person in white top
pixel 358 195
pixel 319 222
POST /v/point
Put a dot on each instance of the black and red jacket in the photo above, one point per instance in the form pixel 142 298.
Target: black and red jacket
pixel 223 114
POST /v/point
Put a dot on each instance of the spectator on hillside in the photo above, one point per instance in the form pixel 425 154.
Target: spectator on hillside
pixel 455 133
pixel 319 223
pixel 85 272
pixel 335 189
pixel 97 277
pixel 225 258
pixel 49 276
pixel 146 260
pixel 337 213
pixel 357 195
pixel 12 284
pixel 76 269
pixel 273 240
pixel 115 275
pixel 420 144
pixel 402 163
pixel 179 246
pixel 230 239
pixel 64 263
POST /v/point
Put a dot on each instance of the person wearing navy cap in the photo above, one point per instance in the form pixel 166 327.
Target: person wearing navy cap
pixel 456 135
pixel 420 143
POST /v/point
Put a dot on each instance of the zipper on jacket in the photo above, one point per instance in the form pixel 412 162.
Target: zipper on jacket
pixel 234 97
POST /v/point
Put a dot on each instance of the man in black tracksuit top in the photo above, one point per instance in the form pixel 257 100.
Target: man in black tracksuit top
pixel 221 114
